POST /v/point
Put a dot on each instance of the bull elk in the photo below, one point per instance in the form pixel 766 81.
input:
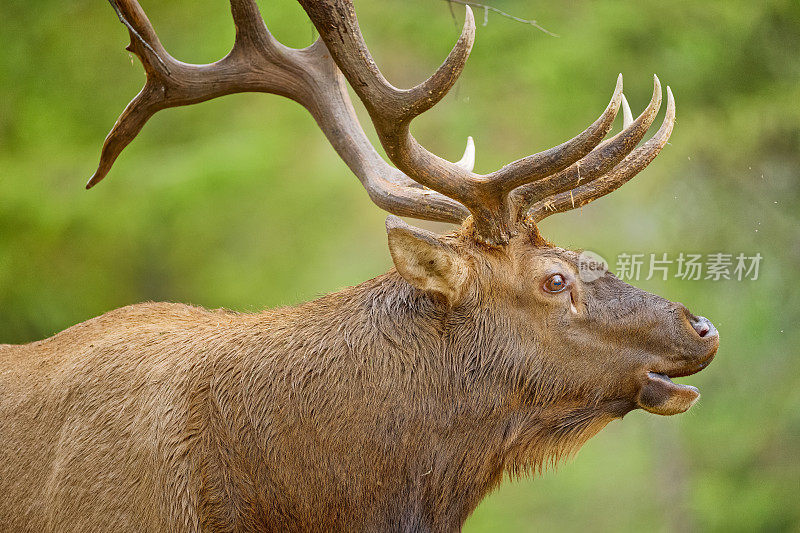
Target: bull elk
pixel 395 405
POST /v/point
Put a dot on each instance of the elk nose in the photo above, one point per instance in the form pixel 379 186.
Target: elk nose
pixel 703 326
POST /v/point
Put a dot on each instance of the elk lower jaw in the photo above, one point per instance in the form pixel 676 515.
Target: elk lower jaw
pixel 660 395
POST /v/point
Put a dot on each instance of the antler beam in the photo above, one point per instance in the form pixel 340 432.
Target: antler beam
pixel 259 63
pixel 423 185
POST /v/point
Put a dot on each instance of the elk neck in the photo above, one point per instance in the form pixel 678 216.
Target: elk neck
pixel 422 408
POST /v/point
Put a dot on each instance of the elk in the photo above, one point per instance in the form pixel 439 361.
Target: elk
pixel 394 405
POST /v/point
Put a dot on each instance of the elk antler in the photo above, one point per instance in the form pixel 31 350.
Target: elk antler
pixel 259 63
pixel 425 186
pixel 392 110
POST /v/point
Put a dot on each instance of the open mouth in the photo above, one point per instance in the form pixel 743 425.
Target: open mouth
pixel 664 377
pixel 662 396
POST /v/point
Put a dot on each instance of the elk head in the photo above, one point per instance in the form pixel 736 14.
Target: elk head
pixel 594 343
pixel 564 338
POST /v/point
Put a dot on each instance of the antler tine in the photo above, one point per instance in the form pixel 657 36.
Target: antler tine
pixel 467 161
pixel 627 115
pixel 537 166
pixel 250 26
pixel 599 161
pixel 631 165
pixel 128 125
pixel 146 45
pixel 259 63
pixel 142 33
pixel 338 26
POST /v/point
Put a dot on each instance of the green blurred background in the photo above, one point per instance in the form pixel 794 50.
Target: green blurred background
pixel 240 203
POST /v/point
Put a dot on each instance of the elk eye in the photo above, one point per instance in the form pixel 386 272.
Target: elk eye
pixel 555 283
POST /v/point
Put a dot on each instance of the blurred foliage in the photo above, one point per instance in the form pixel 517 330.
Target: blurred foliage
pixel 240 203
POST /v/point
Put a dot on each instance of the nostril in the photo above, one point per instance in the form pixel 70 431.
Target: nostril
pixel 701 325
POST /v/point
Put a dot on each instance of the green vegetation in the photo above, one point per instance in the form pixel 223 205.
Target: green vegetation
pixel 240 203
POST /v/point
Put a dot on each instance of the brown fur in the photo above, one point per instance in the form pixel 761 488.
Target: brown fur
pixel 378 408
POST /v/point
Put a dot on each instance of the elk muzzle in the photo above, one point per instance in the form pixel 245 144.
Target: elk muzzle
pixel 658 393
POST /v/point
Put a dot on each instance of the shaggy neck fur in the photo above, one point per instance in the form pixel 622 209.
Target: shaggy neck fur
pixel 377 406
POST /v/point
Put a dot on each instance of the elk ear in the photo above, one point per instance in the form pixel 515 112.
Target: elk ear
pixel 425 261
